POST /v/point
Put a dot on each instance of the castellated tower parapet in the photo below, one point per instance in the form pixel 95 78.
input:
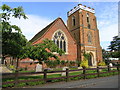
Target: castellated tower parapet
pixel 80 7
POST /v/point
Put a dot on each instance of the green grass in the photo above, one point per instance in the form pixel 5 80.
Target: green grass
pixel 54 76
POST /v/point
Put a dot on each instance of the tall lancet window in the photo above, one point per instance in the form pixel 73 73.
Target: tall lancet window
pixel 89 37
pixel 73 20
pixel 88 20
pixel 60 40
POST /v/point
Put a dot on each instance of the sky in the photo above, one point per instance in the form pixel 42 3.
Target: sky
pixel 40 14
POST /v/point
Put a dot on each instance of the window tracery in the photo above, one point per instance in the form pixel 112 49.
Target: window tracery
pixel 59 40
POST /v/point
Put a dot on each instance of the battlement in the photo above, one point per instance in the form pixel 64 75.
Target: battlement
pixel 82 7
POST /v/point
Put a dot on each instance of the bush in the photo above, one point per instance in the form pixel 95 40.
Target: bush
pixel 101 64
pixel 84 63
pixel 78 63
pixel 12 67
pixel 52 63
pixel 62 62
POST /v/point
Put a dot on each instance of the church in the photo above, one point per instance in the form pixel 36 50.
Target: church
pixel 80 35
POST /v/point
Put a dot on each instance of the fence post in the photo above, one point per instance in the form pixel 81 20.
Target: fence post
pixel 117 66
pixel 84 72
pixel 108 68
pixel 16 78
pixel 67 74
pixel 45 75
pixel 98 72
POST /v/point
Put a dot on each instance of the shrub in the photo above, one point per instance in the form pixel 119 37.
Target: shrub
pixel 84 63
pixel 62 62
pixel 86 55
pixel 101 64
pixel 78 63
pixel 12 67
pixel 71 63
pixel 52 63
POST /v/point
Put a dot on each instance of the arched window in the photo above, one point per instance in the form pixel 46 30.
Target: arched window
pixel 73 20
pixel 60 40
pixel 87 17
pixel 89 37
pixel 88 20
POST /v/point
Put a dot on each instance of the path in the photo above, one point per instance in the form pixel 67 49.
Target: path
pixel 102 82
pixel 4 69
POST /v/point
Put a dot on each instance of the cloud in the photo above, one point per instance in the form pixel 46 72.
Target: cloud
pixel 32 25
pixel 105 44
pixel 103 23
pixel 109 12
pixel 108 32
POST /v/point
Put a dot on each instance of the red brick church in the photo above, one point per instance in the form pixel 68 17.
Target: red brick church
pixel 80 35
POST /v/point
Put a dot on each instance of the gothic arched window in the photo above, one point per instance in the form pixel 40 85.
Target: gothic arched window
pixel 87 17
pixel 60 40
pixel 88 20
pixel 89 37
pixel 73 20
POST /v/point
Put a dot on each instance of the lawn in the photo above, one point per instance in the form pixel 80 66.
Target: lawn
pixel 54 76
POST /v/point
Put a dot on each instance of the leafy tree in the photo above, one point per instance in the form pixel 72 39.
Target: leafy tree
pixel 115 47
pixel 12 38
pixel 106 55
pixel 115 44
pixel 42 51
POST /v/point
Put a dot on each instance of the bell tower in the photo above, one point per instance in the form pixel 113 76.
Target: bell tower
pixel 83 27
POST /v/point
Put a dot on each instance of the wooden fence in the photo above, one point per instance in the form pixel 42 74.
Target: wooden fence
pixel 45 74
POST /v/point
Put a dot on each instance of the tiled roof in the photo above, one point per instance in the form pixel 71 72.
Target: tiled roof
pixel 39 34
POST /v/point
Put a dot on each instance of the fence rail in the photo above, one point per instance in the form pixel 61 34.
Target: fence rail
pixel 45 74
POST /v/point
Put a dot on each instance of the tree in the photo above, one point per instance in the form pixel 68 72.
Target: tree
pixel 12 38
pixel 106 55
pixel 115 47
pixel 42 51
pixel 115 44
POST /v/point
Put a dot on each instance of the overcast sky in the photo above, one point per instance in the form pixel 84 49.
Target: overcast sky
pixel 40 14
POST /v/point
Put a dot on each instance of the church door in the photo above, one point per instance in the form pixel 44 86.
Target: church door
pixel 90 60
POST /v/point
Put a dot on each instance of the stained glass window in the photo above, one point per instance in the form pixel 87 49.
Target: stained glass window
pixel 59 40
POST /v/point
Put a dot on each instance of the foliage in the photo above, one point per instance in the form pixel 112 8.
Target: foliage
pixel 12 38
pixel 78 63
pixel 55 63
pixel 52 63
pixel 115 47
pixel 72 63
pixel 86 55
pixel 115 54
pixel 42 51
pixel 106 55
pixel 115 44
pixel 101 63
pixel 62 62
pixel 12 67
pixel 84 63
